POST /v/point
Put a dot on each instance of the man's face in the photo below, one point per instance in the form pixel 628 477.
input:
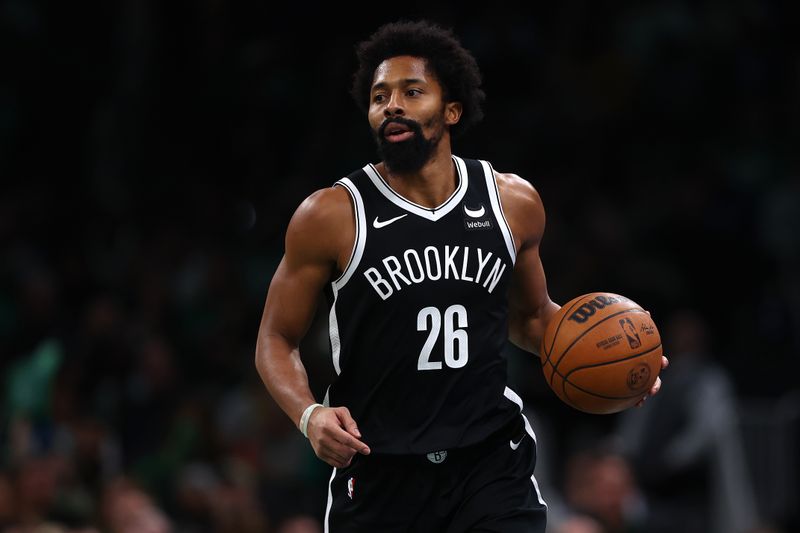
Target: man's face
pixel 407 113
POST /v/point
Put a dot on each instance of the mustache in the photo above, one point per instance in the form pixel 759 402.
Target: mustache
pixel 411 124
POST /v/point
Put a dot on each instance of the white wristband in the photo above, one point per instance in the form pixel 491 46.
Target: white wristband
pixel 305 416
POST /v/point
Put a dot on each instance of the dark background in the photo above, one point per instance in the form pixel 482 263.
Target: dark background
pixel 152 153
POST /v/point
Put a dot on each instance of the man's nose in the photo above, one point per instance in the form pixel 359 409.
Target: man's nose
pixel 394 107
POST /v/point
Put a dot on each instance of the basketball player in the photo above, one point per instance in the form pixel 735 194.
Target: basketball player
pixel 430 262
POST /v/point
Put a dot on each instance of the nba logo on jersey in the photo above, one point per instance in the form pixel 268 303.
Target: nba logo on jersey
pixel 351 487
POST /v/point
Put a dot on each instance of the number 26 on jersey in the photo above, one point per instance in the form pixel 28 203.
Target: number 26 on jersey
pixel 456 341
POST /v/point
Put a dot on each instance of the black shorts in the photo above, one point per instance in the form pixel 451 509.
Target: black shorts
pixel 485 487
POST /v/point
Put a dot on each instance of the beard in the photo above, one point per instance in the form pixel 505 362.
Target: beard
pixel 409 156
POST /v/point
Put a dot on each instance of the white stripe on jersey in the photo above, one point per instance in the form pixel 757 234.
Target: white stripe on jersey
pixel 361 232
pixel 352 264
pixel 497 207
pixel 330 501
pixel 333 332
pixel 514 397
pixel 429 213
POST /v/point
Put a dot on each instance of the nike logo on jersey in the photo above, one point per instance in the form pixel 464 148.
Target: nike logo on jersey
pixel 475 213
pixel 515 445
pixel 378 224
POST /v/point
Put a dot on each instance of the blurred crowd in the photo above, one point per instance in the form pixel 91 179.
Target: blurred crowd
pixel 152 153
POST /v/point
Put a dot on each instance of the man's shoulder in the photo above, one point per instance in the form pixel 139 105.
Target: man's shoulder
pixel 522 206
pixel 323 207
pixel 320 226
pixel 330 207
pixel 516 192
pixel 507 182
pixel 516 189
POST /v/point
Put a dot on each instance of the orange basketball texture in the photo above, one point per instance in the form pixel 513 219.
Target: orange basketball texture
pixel 601 353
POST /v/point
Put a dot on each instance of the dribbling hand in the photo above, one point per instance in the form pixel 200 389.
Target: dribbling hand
pixel 657 385
pixel 334 436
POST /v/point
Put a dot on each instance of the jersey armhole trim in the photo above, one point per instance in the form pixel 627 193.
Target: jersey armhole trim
pixel 497 208
pixel 361 232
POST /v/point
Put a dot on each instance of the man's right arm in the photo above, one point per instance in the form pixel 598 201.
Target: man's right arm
pixel 319 238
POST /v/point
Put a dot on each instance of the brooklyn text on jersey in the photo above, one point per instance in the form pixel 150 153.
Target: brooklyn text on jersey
pixel 433 264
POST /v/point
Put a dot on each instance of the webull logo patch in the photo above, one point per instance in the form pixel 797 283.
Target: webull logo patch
pixel 477 224
pixel 585 311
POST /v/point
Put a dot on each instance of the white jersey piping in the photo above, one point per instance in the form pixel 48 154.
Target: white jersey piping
pixel 514 397
pixel 430 213
pixel 361 232
pixel 359 244
pixel 330 502
pixel 497 207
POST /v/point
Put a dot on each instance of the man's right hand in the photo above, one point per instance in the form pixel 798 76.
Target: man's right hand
pixel 334 436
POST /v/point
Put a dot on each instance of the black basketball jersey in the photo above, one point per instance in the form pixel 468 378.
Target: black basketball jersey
pixel 418 318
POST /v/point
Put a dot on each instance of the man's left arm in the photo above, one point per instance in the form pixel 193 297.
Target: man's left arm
pixel 530 306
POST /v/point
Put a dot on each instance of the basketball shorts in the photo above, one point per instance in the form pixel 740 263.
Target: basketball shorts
pixel 487 487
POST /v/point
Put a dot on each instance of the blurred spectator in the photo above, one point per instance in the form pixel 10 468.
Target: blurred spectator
pixel 300 524
pixel 127 509
pixel 39 497
pixel 8 504
pixel 578 524
pixel 684 444
pixel 600 491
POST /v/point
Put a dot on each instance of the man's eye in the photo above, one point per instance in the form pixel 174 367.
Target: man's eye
pixel 377 98
pixel 413 92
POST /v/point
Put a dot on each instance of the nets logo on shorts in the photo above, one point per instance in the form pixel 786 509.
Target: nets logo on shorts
pixel 437 457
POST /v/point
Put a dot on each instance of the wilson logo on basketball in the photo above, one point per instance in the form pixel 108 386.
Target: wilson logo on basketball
pixel 582 314
pixel 638 377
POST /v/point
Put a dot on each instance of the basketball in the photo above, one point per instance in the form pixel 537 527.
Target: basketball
pixel 601 353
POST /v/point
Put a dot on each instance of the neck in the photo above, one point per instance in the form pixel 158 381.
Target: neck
pixel 432 185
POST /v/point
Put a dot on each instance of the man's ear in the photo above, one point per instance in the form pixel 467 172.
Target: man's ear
pixel 452 112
